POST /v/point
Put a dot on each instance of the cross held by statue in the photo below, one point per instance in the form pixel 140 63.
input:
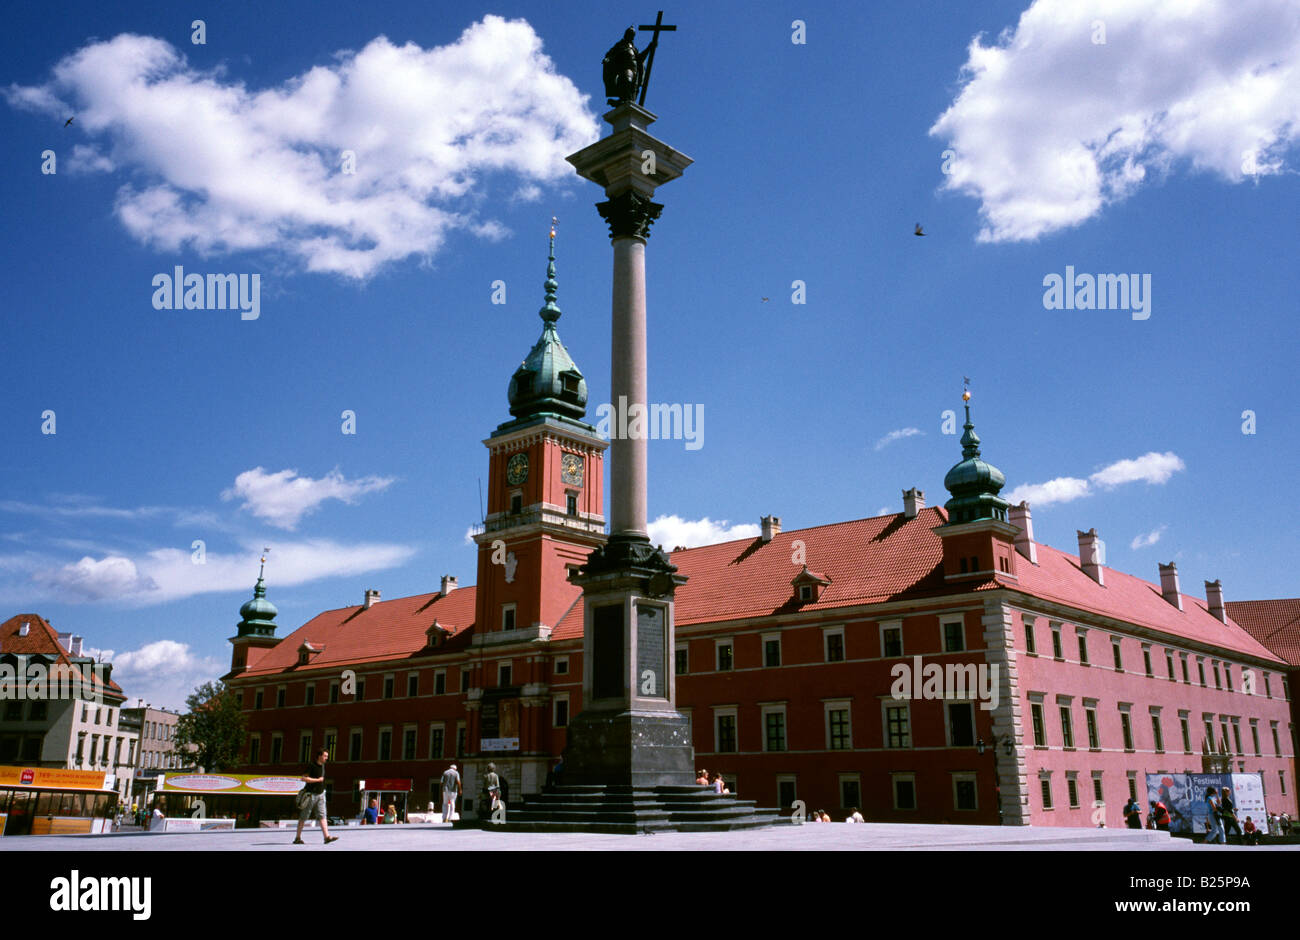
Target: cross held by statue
pixel 656 27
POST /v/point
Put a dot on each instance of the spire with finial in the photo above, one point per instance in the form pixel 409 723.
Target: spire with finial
pixel 548 381
pixel 258 615
pixel 974 483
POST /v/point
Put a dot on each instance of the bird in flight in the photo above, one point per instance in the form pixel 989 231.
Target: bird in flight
pixel 68 121
pixel 918 230
pixel 766 299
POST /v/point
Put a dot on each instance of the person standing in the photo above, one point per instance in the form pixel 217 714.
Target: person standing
pixel 493 784
pixel 1214 825
pixel 390 817
pixel 1160 815
pixel 370 815
pixel 156 818
pixel 450 790
pixel 311 799
pixel 1132 814
pixel 1228 813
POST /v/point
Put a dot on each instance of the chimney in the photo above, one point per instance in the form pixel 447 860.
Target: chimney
pixel 448 584
pixel 771 527
pixel 75 648
pixel 1169 585
pixel 372 597
pixel 913 502
pixel 1092 555
pixel 1020 518
pixel 1214 600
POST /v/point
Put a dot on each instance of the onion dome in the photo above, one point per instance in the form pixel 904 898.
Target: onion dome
pixel 258 614
pixel 974 483
pixel 548 381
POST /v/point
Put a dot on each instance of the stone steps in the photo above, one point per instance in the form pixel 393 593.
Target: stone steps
pixel 624 809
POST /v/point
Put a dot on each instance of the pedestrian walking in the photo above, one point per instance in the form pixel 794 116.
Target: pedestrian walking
pixel 450 790
pixel 311 798
pixel 156 817
pixel 1228 813
pixel 1214 825
pixel 493 784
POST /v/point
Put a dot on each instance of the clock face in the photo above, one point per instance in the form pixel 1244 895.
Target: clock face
pixel 517 469
pixel 571 469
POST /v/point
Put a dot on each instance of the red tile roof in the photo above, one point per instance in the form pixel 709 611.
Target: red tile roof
pixel 43 639
pixel 867 561
pixel 386 630
pixel 1274 623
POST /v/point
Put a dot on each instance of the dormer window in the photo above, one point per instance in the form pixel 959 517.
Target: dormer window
pixel 569 384
pixel 808 585
pixel 805 592
pixel 436 635
pixel 307 652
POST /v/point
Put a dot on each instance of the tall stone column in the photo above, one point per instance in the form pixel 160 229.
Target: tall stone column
pixel 629 732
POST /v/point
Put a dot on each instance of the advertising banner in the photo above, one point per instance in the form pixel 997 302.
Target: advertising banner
pixel 1248 794
pixel 268 785
pixel 1174 790
pixel 54 778
pixel 1200 809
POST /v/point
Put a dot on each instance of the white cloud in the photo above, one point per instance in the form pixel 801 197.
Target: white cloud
pixel 674 531
pixel 283 498
pixel 167 574
pixel 162 673
pixel 89 580
pixel 897 436
pixel 1149 468
pixel 1148 539
pixel 218 167
pixel 1049 127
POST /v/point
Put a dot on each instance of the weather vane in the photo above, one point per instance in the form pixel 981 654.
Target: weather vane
pixel 965 388
pixel 554 222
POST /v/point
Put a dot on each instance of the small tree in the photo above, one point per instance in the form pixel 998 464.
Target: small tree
pixel 213 731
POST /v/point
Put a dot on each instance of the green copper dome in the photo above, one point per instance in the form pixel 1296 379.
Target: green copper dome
pixel 548 381
pixel 258 613
pixel 974 483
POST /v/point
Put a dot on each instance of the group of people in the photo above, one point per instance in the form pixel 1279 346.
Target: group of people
pixel 719 785
pixel 370 816
pixel 1221 819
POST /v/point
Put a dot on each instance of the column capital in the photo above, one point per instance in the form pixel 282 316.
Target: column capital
pixel 629 214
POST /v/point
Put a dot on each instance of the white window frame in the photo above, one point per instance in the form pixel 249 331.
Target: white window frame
pixel 556 699
pixel 886 704
pixel 960 776
pixel 440 674
pixel 514 608
pixel 791 779
pixel 947 722
pixel 556 670
pixel 717 654
pixel 724 711
pixel 505 664
pixel 766 638
pixel 944 623
pixel 886 625
pixel 780 709
pixel 437 726
pixel 840 780
pixel 831 705
pixel 410 726
pixel 894 780
pixel 827 633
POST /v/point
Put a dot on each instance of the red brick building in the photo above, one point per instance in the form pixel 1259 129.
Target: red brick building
pixel 1061 682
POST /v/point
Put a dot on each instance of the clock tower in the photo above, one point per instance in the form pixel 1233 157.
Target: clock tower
pixel 544 492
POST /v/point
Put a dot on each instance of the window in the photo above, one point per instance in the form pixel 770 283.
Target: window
pixel 1182 658
pixel 279 697
pixel 1236 736
pixel 1040 734
pixel 891 639
pixel 1254 734
pixel 682 660
pixel 254 749
pixel 904 791
pixel 1268 689
pixel 277 749
pixel 961 724
pixel 389 683
pixel 1090 720
pixel 304 747
pixel 850 791
pixel 1146 660
pixel 1031 643
pixel 724 655
pixel 771 651
pixel 1057 652
pixel 1169 665
pixel 1227 676
pixel 504 674
pixel 725 732
pixel 460 739
pixel 360 695
pixel 839 735
pixel 331 740
pixel 408 743
pixel 1200 670
pixel 354 745
pixel 785 792
pixel 440 682
pixel 834 642
pixel 1045 788
pixel 954 640
pixel 309 696
pixel 561 665
pixel 1186 730
pixel 571 504
pixel 1072 790
pixel 964 792
pixel 898 726
pixel 805 592
pixel 1218 679
pixel 85 713
pixel 1067 729
pixel 1096 788
pixel 1132 785
pixel 436 742
pixel 385 743
pixel 560 717
pixel 516 503
pixel 1083 646
pixel 1277 748
pixel 257 704
pixel 1281 781
pixel 334 693
pixel 1126 726
pixel 507 616
pixel 1157 732
pixel 1117 655
pixel 413 684
pixel 464 679
pixel 774 729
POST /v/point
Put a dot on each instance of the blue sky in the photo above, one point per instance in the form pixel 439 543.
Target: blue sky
pixel 1167 150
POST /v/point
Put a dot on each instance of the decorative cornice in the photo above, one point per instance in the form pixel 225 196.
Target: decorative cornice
pixel 629 214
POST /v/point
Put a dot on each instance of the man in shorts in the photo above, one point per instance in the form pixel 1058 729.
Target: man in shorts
pixel 450 790
pixel 311 798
